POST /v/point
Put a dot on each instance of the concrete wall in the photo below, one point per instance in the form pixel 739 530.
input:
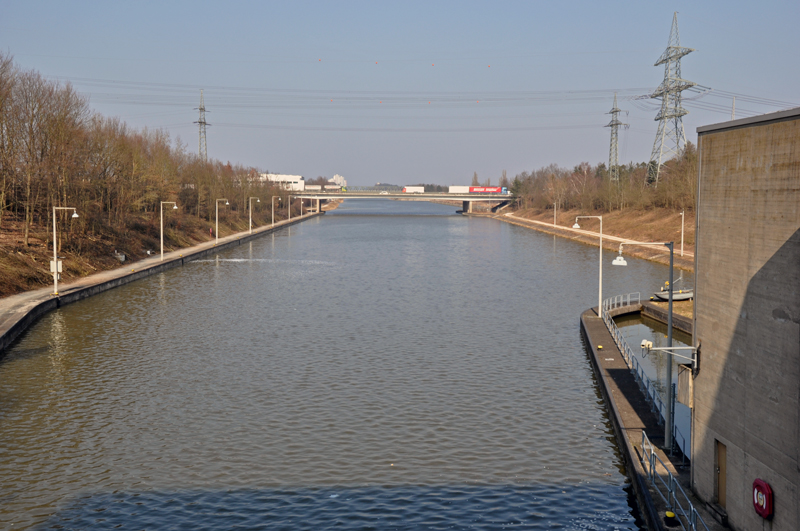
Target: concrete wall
pixel 747 315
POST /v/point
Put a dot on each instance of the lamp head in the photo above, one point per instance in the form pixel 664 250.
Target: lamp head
pixel 258 200
pixel 576 226
pixel 75 214
pixel 619 261
pixel 226 203
pixel 174 207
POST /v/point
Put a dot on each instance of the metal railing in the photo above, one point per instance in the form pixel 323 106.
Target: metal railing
pixel 622 300
pixel 646 385
pixel 668 488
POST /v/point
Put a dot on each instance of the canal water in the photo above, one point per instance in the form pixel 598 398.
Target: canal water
pixel 654 364
pixel 390 365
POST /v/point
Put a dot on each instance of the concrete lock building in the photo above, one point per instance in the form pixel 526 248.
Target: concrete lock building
pixel 746 419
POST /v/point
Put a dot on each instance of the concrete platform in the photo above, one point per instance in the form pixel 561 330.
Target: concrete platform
pixel 630 413
pixel 20 311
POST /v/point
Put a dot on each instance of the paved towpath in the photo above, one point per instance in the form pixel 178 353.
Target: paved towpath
pixel 630 415
pixel 19 311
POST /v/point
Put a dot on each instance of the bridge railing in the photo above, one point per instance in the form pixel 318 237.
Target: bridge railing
pixel 647 386
pixel 399 191
pixel 372 189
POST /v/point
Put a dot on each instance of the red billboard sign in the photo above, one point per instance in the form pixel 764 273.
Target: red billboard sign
pixel 485 189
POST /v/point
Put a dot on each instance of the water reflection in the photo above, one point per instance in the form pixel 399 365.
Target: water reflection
pixel 634 328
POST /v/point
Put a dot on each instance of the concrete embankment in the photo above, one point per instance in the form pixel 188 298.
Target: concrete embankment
pixel 630 413
pixel 20 311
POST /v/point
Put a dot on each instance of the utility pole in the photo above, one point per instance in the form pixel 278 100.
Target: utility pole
pixel 613 152
pixel 202 124
pixel 670 137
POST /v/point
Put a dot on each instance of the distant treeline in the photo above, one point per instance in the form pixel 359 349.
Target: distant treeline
pixel 589 188
pixel 54 151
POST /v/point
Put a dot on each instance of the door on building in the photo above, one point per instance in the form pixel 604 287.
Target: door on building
pixel 722 475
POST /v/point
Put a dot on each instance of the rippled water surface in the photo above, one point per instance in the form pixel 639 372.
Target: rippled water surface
pixel 388 365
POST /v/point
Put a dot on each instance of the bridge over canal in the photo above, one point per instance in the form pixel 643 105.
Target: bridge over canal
pixel 466 199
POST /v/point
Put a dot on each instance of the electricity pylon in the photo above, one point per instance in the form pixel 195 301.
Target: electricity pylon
pixel 613 152
pixel 671 136
pixel 202 124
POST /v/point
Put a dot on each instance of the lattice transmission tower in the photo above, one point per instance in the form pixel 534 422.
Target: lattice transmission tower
pixel 670 137
pixel 613 152
pixel 202 124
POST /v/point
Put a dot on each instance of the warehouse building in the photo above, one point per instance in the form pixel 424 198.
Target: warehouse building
pixel 295 183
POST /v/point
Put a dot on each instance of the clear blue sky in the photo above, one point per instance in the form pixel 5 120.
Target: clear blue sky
pixel 511 85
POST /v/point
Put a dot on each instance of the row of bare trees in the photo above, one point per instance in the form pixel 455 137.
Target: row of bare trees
pixel 54 151
pixel 589 188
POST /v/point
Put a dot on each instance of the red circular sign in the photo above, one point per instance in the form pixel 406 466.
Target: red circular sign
pixel 762 498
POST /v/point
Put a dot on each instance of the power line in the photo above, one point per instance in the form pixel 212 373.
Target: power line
pixel 613 152
pixel 670 136
pixel 202 125
pixel 407 129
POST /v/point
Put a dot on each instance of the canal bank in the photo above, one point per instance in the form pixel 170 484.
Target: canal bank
pixel 610 242
pixel 632 415
pixel 18 312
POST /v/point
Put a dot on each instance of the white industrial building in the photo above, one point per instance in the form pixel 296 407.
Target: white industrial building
pixel 339 180
pixel 295 183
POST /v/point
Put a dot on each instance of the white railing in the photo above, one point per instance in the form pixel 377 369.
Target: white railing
pixel 647 386
pixel 668 488
pixel 622 300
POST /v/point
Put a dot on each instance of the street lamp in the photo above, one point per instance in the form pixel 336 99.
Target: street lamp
pixel 555 213
pixel 600 288
pixel 55 265
pixel 289 202
pixel 273 208
pixel 216 204
pixel 669 420
pixel 682 219
pixel 250 204
pixel 175 207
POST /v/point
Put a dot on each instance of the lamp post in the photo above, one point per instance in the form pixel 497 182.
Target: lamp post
pixel 669 421
pixel 273 208
pixel 682 219
pixel 600 288
pixel 250 204
pixel 54 265
pixel 555 213
pixel 216 233
pixel 289 202
pixel 175 207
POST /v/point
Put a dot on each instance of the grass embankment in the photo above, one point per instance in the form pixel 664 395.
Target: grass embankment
pixel 654 225
pixel 27 267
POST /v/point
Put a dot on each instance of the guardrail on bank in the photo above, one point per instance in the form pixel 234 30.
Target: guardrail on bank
pixel 645 383
pixel 668 488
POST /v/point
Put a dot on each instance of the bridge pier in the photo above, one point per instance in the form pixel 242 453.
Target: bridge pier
pixel 466 207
